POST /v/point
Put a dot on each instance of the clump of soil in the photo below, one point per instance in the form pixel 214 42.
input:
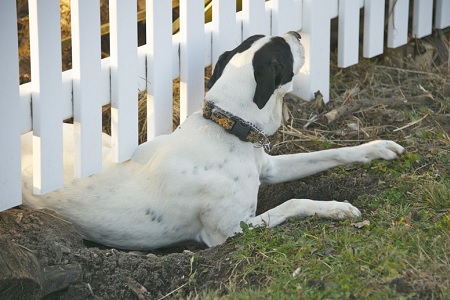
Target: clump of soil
pixel 100 272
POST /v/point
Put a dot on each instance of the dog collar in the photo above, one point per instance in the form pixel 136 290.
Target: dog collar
pixel 244 130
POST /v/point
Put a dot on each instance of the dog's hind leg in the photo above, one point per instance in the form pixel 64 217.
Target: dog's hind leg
pixel 304 208
pixel 282 168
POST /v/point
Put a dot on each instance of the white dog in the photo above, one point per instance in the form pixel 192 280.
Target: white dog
pixel 201 181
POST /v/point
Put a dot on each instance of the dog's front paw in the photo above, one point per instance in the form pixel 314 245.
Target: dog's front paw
pixel 380 149
pixel 341 210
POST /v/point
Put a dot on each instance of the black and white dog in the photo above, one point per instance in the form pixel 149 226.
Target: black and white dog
pixel 201 181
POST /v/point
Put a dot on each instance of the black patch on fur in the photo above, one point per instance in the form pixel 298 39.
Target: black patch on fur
pixel 227 56
pixel 272 68
pixel 153 215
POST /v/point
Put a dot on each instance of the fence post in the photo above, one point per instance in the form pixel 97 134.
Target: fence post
pixel 348 35
pixel 422 18
pixel 252 22
pixel 398 23
pixel 46 85
pixel 159 67
pixel 124 92
pixel 86 74
pixel 373 40
pixel 224 35
pixel 315 74
pixel 191 56
pixel 10 177
pixel 442 18
pixel 286 16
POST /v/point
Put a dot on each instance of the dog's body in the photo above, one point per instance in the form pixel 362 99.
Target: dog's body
pixel 200 182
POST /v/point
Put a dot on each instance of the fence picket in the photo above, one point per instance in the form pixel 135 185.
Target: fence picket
pixel 123 63
pixel 398 23
pixel 159 67
pixel 191 57
pixel 10 177
pixel 105 82
pixel 252 23
pixel 348 31
pixel 298 15
pixel 316 40
pixel 225 34
pixel 26 117
pixel 86 70
pixel 207 48
pixel 442 18
pixel 373 39
pixel 422 18
pixel 45 51
pixel 285 16
pixel 142 68
pixel 67 94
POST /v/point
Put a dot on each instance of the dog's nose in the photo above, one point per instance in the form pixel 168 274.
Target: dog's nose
pixel 295 34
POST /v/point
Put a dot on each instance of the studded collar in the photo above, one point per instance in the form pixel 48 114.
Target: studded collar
pixel 244 130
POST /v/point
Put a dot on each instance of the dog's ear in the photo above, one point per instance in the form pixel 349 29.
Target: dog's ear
pixel 272 68
pixel 223 60
pixel 267 77
pixel 227 56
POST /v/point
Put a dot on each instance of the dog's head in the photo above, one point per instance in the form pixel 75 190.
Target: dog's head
pixel 251 80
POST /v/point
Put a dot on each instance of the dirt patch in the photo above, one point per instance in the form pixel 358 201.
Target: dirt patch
pixel 325 186
pixel 106 273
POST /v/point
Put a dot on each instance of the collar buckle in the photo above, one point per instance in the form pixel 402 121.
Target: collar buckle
pixel 240 129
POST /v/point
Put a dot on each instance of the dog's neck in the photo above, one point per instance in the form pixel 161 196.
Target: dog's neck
pixel 236 98
pixel 244 130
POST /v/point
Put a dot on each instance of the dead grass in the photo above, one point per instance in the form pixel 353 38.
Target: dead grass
pixel 380 100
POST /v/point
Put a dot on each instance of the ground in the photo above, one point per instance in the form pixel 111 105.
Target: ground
pixel 408 105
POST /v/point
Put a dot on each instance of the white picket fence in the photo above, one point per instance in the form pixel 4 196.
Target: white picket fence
pixel 42 104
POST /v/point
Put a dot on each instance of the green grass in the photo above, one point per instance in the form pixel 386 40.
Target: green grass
pixel 403 253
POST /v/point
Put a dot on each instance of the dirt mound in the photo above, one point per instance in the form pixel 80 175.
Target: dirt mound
pixel 82 270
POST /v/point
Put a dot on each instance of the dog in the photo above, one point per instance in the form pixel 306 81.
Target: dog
pixel 201 181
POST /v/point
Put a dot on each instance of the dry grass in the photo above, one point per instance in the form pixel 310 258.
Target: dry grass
pixel 381 100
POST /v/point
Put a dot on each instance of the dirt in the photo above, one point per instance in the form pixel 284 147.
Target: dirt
pixel 106 273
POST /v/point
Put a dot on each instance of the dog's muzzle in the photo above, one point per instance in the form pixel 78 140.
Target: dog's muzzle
pixel 244 130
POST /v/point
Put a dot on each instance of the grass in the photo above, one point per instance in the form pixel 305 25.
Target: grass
pixel 402 254
pixel 402 251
